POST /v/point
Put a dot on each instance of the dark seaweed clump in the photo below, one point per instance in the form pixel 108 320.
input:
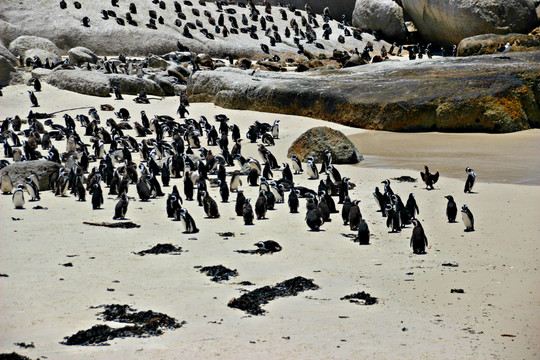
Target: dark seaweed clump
pixel 162 249
pixel 368 299
pixel 13 356
pixel 251 302
pixel 219 272
pixel 405 178
pixel 147 323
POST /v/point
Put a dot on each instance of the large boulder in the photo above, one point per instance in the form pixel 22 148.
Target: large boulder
pixel 23 43
pixel 489 43
pixel 314 141
pixel 489 93
pixel 43 55
pixel 8 55
pixel 80 81
pixel 6 70
pixel 132 85
pixel 80 55
pixel 450 21
pixel 155 61
pixel 385 16
pixel 22 169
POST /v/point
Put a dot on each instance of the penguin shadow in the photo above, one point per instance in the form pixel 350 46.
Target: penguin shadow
pixel 468 230
pixel 316 231
pixel 472 192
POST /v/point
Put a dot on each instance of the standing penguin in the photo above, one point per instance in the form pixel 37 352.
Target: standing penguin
pixel 210 206
pixel 468 218
pixel 187 221
pixel 247 213
pixel 312 171
pixel 392 220
pixel 275 129
pixel 381 201
pixel 418 239
pixel 188 188
pixel 471 178
pixel 363 233
pixel 33 98
pixel 411 206
pixel 355 216
pixel 297 165
pixel 326 161
pixel 345 210
pixel 314 219
pixel 32 189
pixel 261 206
pixel 121 207
pixel 7 185
pixel 451 209
pixel 293 201
pixel 18 197
pixel 223 191
pixel 236 181
pixel 287 173
pixel 239 205
pixel 97 196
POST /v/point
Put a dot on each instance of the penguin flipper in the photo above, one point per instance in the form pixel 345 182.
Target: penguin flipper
pixel 435 177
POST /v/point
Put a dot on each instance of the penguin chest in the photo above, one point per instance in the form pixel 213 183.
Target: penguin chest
pixel 466 220
pixel 18 199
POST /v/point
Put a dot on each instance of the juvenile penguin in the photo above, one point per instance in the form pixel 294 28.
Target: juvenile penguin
pixel 7 185
pixel 314 219
pixel 210 206
pixel 18 197
pixel 451 209
pixel 261 205
pixel 471 178
pixel 239 205
pixel 429 178
pixel 121 207
pixel 247 213
pixel 355 216
pixel 187 221
pixel 363 233
pixel 418 239
pixel 223 191
pixel 468 218
pixel 236 181
pixel 293 201
pixel 97 196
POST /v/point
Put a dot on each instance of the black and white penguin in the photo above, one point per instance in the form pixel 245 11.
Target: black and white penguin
pixel 32 189
pixel 388 192
pixel 247 213
pixel 314 219
pixel 275 129
pixel 293 201
pixel 210 206
pixel 117 93
pixel 334 173
pixel 471 178
pixel 187 221
pixel 121 207
pixel 188 187
pixel 468 218
pixel 297 165
pixel 239 205
pixel 253 177
pixel 411 206
pixel 428 178
pixel 223 191
pixel 287 173
pixel 355 216
pixel 392 220
pixel 326 161
pixel 97 196
pixel 143 189
pixel 33 98
pixel 7 184
pixel 236 181
pixel 261 205
pixel 311 168
pixel 363 233
pixel 418 239
pixel 345 210
pixel 18 197
pixel 268 246
pixel 451 209
pixel 382 201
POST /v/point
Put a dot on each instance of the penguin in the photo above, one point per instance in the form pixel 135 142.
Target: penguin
pixel 363 233
pixel 381 201
pixel 392 220
pixel 267 171
pixel 268 246
pixel 7 184
pixel 293 201
pixel 388 192
pixel 166 173
pixel 418 239
pixel 236 181
pixel 18 197
pixel 401 210
pixel 117 93
pixel 451 209
pixel 187 221
pixel 121 207
pixel 345 210
pixel 429 178
pixel 247 213
pixel 252 177
pixel 79 189
pixel 311 169
pixel 326 161
pixel 355 216
pixel 411 206
pixel 239 204
pixel 325 210
pixel 334 173
pixel 314 219
pixel 33 98
pixel 297 165
pixel 287 173
pixel 275 129
pixel 32 189
pixel 210 206
pixel 188 188
pixel 143 189
pixel 97 196
pixel 468 218
pixel 223 191
pixel 471 178
pixel 270 200
pixel 261 205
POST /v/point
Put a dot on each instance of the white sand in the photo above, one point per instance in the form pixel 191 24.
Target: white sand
pixel 416 318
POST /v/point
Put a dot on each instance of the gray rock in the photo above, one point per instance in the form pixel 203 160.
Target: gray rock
pixel 155 61
pixel 81 81
pixel 355 60
pixel 314 141
pixel 385 16
pixel 23 43
pixel 132 85
pixel 6 70
pixel 337 8
pixel 183 70
pixel 489 43
pixel 80 55
pixel 479 93
pixel 450 21
pixel 8 55
pixel 178 56
pixel 166 83
pixel 22 169
pixel 43 55
pixel 41 73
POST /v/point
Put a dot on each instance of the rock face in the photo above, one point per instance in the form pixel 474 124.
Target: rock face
pixel 43 168
pixel 385 16
pixel 79 55
pixel 6 69
pixel 107 37
pixel 23 43
pixel 7 54
pixel 489 43
pixel 314 141
pixel 481 93
pixel 450 21
pixel 43 55
pixel 337 8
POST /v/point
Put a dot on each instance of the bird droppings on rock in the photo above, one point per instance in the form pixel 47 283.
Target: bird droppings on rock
pixel 219 272
pixel 147 323
pixel 367 298
pixel 251 302
pixel 162 249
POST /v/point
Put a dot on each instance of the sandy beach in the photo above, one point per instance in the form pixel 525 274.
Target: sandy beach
pixel 417 316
